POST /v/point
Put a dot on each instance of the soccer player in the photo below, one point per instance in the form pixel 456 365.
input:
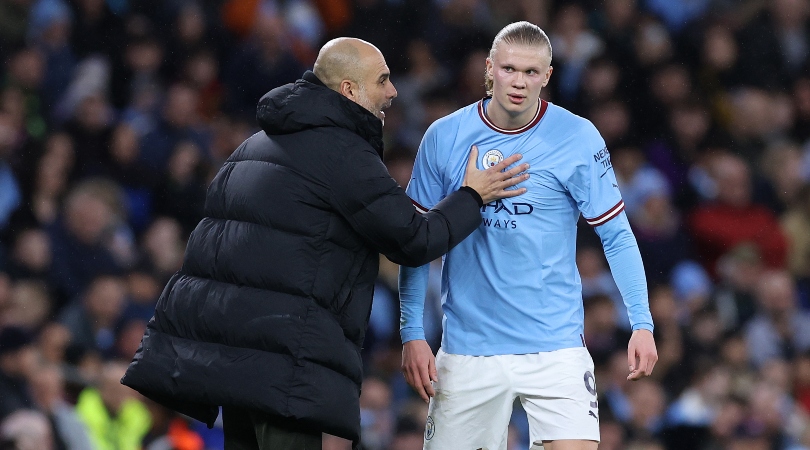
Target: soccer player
pixel 511 292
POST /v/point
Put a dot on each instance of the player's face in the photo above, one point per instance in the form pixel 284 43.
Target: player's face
pixel 376 91
pixel 519 73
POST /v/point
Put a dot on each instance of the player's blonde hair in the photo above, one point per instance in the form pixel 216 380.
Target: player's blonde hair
pixel 523 33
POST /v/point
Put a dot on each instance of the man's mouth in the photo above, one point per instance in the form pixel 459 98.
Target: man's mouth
pixel 517 99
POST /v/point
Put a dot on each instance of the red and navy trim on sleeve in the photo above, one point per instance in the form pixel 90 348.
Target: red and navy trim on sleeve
pixel 611 213
pixel 419 208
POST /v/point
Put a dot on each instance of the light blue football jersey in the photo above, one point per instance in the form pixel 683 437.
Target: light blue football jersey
pixel 513 286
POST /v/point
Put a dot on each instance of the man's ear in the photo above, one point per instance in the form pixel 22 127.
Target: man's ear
pixel 548 75
pixel 347 89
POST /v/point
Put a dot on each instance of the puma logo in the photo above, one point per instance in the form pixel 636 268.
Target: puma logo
pixel 591 413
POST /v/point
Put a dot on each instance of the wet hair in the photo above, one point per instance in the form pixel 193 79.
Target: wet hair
pixel 522 33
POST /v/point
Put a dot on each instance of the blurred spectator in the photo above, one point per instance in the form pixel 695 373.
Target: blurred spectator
pixel 779 329
pixel 613 120
pixel 689 418
pixel 202 72
pixel 17 364
pixel 136 179
pixel 678 13
pixel 90 238
pixel 30 255
pixel 90 130
pixel 143 63
pixel 97 30
pixel 170 431
pixel 602 334
pixel 13 24
pixel 738 270
pixel 662 239
pixel 92 320
pixel 574 46
pixel 258 64
pixel 47 387
pixel 47 183
pixel 750 134
pixel 752 223
pixel 115 418
pixel 163 245
pixel 181 192
pixel 143 290
pixel 601 81
pixel 179 122
pixel 26 71
pixel 53 342
pixel 26 429
pixel 49 30
pixel 10 192
pixel 796 225
pixel 376 416
pixel 30 305
pixel 669 337
pixel 646 401
pixel 801 99
pixel 597 280
pixel 781 167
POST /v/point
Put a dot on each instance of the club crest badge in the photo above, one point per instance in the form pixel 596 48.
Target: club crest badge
pixel 430 428
pixel 491 158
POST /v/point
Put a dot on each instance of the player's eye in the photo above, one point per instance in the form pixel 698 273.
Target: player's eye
pixel 508 69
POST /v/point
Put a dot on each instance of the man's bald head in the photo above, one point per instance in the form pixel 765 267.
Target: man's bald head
pixel 343 59
pixel 356 70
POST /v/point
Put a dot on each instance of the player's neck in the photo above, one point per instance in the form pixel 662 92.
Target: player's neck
pixel 508 120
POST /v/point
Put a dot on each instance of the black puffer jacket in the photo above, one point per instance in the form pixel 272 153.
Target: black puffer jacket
pixel 270 308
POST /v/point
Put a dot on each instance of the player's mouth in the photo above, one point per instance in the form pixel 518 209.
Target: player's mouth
pixel 517 99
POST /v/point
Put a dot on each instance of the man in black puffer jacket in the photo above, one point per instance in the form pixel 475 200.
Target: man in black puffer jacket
pixel 267 316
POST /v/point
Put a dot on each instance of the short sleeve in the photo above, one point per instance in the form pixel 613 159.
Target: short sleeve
pixel 426 187
pixel 592 182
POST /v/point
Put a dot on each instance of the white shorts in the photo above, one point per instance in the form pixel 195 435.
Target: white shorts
pixel 475 396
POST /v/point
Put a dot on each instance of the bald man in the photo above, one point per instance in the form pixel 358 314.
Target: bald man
pixel 268 314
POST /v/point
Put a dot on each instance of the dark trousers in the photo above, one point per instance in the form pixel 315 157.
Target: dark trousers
pixel 251 430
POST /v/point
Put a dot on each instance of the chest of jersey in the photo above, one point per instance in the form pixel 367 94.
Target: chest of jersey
pixel 546 206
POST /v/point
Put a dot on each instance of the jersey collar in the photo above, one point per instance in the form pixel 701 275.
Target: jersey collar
pixel 541 110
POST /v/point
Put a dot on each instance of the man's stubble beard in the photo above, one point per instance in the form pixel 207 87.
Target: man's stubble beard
pixel 364 101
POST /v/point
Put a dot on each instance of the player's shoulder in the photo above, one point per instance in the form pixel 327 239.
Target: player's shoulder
pixel 452 121
pixel 569 128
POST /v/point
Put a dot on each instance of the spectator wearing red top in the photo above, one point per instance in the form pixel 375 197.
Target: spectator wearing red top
pixel 732 218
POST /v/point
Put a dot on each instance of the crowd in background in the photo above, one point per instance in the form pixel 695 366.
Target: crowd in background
pixel 115 114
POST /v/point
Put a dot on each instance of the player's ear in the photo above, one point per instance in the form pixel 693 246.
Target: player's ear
pixel 548 75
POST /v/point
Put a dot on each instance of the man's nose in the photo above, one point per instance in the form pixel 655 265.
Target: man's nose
pixel 392 91
pixel 519 81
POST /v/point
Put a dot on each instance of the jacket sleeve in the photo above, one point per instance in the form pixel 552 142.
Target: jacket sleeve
pixel 382 213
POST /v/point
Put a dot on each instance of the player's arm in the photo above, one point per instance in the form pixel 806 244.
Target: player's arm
pixel 593 185
pixel 624 258
pixel 418 362
pixel 426 188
